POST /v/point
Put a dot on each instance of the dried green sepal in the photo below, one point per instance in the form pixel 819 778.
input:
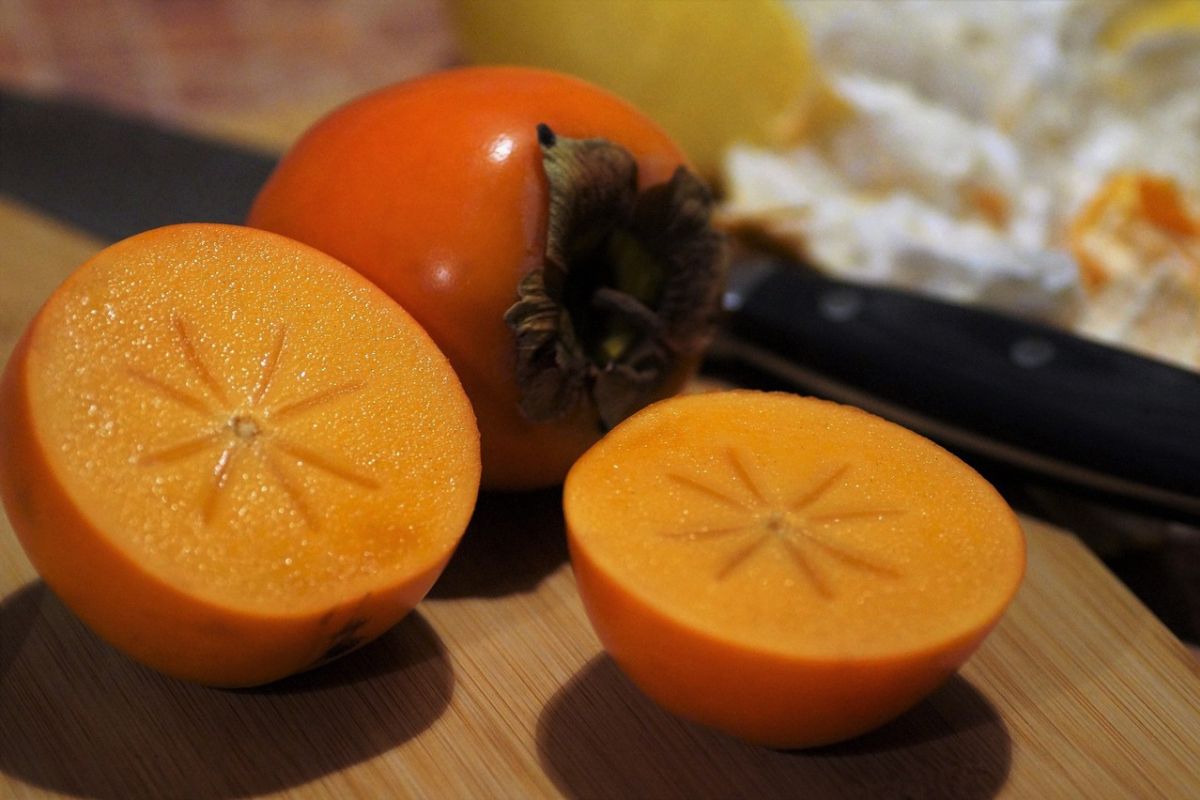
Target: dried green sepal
pixel 551 370
pixel 629 284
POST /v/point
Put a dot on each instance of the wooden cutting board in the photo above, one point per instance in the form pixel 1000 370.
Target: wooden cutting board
pixel 496 686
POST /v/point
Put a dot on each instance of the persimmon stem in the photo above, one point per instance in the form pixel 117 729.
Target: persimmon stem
pixel 628 287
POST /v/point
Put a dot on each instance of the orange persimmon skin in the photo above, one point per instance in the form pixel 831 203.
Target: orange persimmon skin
pixel 762 698
pixel 84 542
pixel 782 679
pixel 434 190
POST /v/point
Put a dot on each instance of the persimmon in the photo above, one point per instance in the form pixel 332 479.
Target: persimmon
pixel 231 455
pixel 551 239
pixel 790 571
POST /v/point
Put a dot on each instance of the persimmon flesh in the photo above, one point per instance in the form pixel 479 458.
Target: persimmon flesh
pixel 231 455
pixel 548 235
pixel 788 570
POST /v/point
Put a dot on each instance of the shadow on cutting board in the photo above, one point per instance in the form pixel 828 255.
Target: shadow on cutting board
pixel 514 541
pixel 600 737
pixel 80 718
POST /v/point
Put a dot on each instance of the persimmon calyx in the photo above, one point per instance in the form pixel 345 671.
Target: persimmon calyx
pixel 629 285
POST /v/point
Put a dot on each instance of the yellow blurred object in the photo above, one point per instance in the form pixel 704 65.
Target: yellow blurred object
pixel 1135 22
pixel 710 72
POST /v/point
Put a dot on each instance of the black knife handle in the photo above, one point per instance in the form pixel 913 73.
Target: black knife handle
pixel 1024 392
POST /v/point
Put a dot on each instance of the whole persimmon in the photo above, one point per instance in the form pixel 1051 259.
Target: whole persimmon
pixel 550 238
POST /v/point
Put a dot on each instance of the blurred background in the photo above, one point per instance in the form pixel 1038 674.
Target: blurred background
pixel 256 71
pixel 1037 156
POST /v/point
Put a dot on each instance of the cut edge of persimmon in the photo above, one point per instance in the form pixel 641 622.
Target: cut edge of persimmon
pixel 822 561
pixel 224 425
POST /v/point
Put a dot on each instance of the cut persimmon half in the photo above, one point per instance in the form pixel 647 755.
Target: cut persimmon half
pixel 232 456
pixel 788 570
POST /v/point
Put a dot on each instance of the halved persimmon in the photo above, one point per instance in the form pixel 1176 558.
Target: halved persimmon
pixel 788 570
pixel 231 455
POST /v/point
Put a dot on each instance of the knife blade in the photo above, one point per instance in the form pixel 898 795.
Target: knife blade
pixel 113 175
pixel 1037 398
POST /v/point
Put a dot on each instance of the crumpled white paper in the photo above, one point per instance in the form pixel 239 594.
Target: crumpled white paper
pixel 973 133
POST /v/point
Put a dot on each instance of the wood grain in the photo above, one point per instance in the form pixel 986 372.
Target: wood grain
pixel 496 686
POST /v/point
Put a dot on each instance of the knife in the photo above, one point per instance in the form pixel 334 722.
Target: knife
pixel 1024 394
pixel 114 176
